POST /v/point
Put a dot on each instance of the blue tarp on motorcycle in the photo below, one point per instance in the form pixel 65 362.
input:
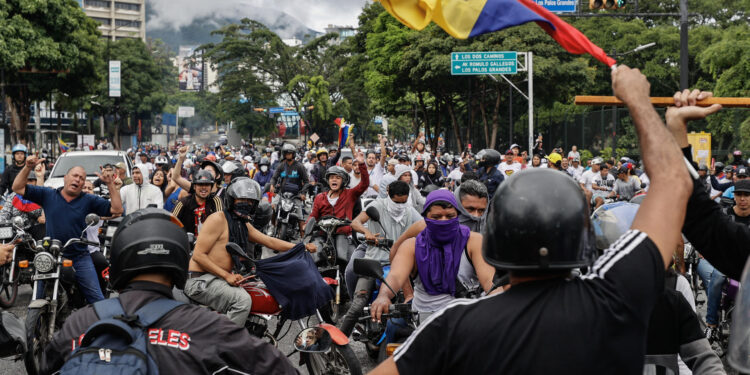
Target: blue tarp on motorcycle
pixel 295 282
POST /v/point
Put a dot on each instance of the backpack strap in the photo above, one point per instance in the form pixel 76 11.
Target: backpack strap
pixel 108 308
pixel 155 310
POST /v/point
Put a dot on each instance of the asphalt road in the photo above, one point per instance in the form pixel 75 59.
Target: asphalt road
pixel 11 367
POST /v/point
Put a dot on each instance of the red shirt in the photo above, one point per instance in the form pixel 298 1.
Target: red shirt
pixel 345 204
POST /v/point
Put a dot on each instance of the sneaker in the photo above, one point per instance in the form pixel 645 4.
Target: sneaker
pixel 710 333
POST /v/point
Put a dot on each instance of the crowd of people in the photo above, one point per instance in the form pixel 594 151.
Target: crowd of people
pixel 508 225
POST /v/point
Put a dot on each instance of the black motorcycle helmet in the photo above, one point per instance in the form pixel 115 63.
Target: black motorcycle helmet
pixel 489 157
pixel 263 214
pixel 429 189
pixel 217 168
pixel 288 149
pixel 203 178
pixel 149 240
pixel 338 171
pixel 538 220
pixel 243 188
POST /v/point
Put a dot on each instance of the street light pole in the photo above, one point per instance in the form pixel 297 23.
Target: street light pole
pixel 683 45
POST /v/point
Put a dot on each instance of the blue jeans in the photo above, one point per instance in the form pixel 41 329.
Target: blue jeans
pixel 86 277
pixel 713 280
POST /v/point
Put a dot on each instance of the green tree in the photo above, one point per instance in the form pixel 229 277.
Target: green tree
pixel 45 46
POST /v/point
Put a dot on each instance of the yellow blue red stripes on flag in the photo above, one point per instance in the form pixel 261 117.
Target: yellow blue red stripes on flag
pixel 345 131
pixel 468 18
pixel 63 146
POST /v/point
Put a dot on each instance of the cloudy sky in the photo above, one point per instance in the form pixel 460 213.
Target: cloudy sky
pixel 315 14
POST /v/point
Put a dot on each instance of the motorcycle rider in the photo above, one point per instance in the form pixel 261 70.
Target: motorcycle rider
pixel 208 164
pixel 396 215
pixel 624 186
pixel 66 209
pixel 291 176
pixel 339 201
pixel 539 229
pixel 11 171
pixel 587 179
pixel 16 205
pixel 445 259
pixel 489 175
pixel 264 174
pixel 188 339
pixel 210 277
pixel 602 185
pixel 194 209
pixel 140 194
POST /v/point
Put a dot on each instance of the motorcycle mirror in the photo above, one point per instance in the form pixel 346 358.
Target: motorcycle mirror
pixel 368 268
pixel 18 222
pixel 313 340
pixel 236 250
pixel 92 219
pixel 373 213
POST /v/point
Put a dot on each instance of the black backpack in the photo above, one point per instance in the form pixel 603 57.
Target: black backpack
pixel 116 344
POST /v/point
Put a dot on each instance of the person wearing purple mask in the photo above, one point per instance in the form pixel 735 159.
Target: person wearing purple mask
pixel 445 260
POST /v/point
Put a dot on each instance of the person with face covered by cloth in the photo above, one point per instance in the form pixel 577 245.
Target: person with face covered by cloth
pixel 212 277
pixel 472 199
pixel 406 174
pixel 445 260
pixel 489 175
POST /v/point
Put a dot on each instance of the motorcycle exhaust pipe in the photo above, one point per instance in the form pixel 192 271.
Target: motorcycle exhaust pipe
pixel 338 287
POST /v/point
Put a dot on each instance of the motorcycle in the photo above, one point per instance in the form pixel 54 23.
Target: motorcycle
pixel 13 231
pixel 61 295
pixel 330 263
pixel 287 220
pixel 323 348
pixel 404 319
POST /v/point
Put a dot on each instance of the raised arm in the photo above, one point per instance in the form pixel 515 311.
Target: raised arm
pixel 382 138
pixel 19 184
pixel 177 173
pixel 663 211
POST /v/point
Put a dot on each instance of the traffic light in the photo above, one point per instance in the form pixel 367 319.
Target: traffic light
pixel 606 4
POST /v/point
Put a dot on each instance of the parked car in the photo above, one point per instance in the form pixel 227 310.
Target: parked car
pixel 91 161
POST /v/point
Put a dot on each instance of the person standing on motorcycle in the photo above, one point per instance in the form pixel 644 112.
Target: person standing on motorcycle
pixel 11 171
pixel 339 201
pixel 211 280
pixel 66 209
pixel 539 229
pixel 291 177
pixel 194 209
pixel 396 215
pixel 205 342
pixel 489 175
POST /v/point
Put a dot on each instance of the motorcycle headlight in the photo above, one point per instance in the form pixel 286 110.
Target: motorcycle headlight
pixel 6 233
pixel 44 262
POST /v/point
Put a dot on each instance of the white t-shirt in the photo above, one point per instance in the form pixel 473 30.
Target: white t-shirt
pixel 599 181
pixel 375 175
pixel 574 154
pixel 353 181
pixel 587 178
pixel 509 169
pixel 576 172
pixel 456 174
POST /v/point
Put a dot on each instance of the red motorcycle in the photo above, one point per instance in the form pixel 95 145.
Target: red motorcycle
pixel 323 348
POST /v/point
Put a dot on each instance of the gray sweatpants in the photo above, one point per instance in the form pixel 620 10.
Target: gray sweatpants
pixel 215 293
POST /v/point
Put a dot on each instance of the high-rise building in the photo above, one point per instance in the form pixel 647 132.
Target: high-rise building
pixel 118 18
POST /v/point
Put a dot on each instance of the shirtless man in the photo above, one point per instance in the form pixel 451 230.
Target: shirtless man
pixel 211 280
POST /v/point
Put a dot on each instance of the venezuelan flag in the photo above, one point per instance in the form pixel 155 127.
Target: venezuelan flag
pixel 345 132
pixel 468 18
pixel 63 146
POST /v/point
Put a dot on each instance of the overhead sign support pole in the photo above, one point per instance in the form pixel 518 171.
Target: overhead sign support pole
pixel 530 71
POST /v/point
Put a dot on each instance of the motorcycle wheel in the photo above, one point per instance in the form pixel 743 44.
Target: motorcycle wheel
pixel 37 327
pixel 282 232
pixel 9 288
pixel 339 360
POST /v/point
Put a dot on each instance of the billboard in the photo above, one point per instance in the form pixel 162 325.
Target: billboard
pixel 190 67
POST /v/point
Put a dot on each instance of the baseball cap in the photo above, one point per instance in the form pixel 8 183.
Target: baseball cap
pixel 514 146
pixel 577 160
pixel 554 157
pixel 742 186
pixel 120 165
pixel 742 171
pixel 509 152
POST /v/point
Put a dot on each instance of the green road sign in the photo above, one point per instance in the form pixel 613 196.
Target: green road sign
pixel 477 63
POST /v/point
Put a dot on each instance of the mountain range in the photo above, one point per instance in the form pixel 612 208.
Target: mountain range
pixel 199 30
